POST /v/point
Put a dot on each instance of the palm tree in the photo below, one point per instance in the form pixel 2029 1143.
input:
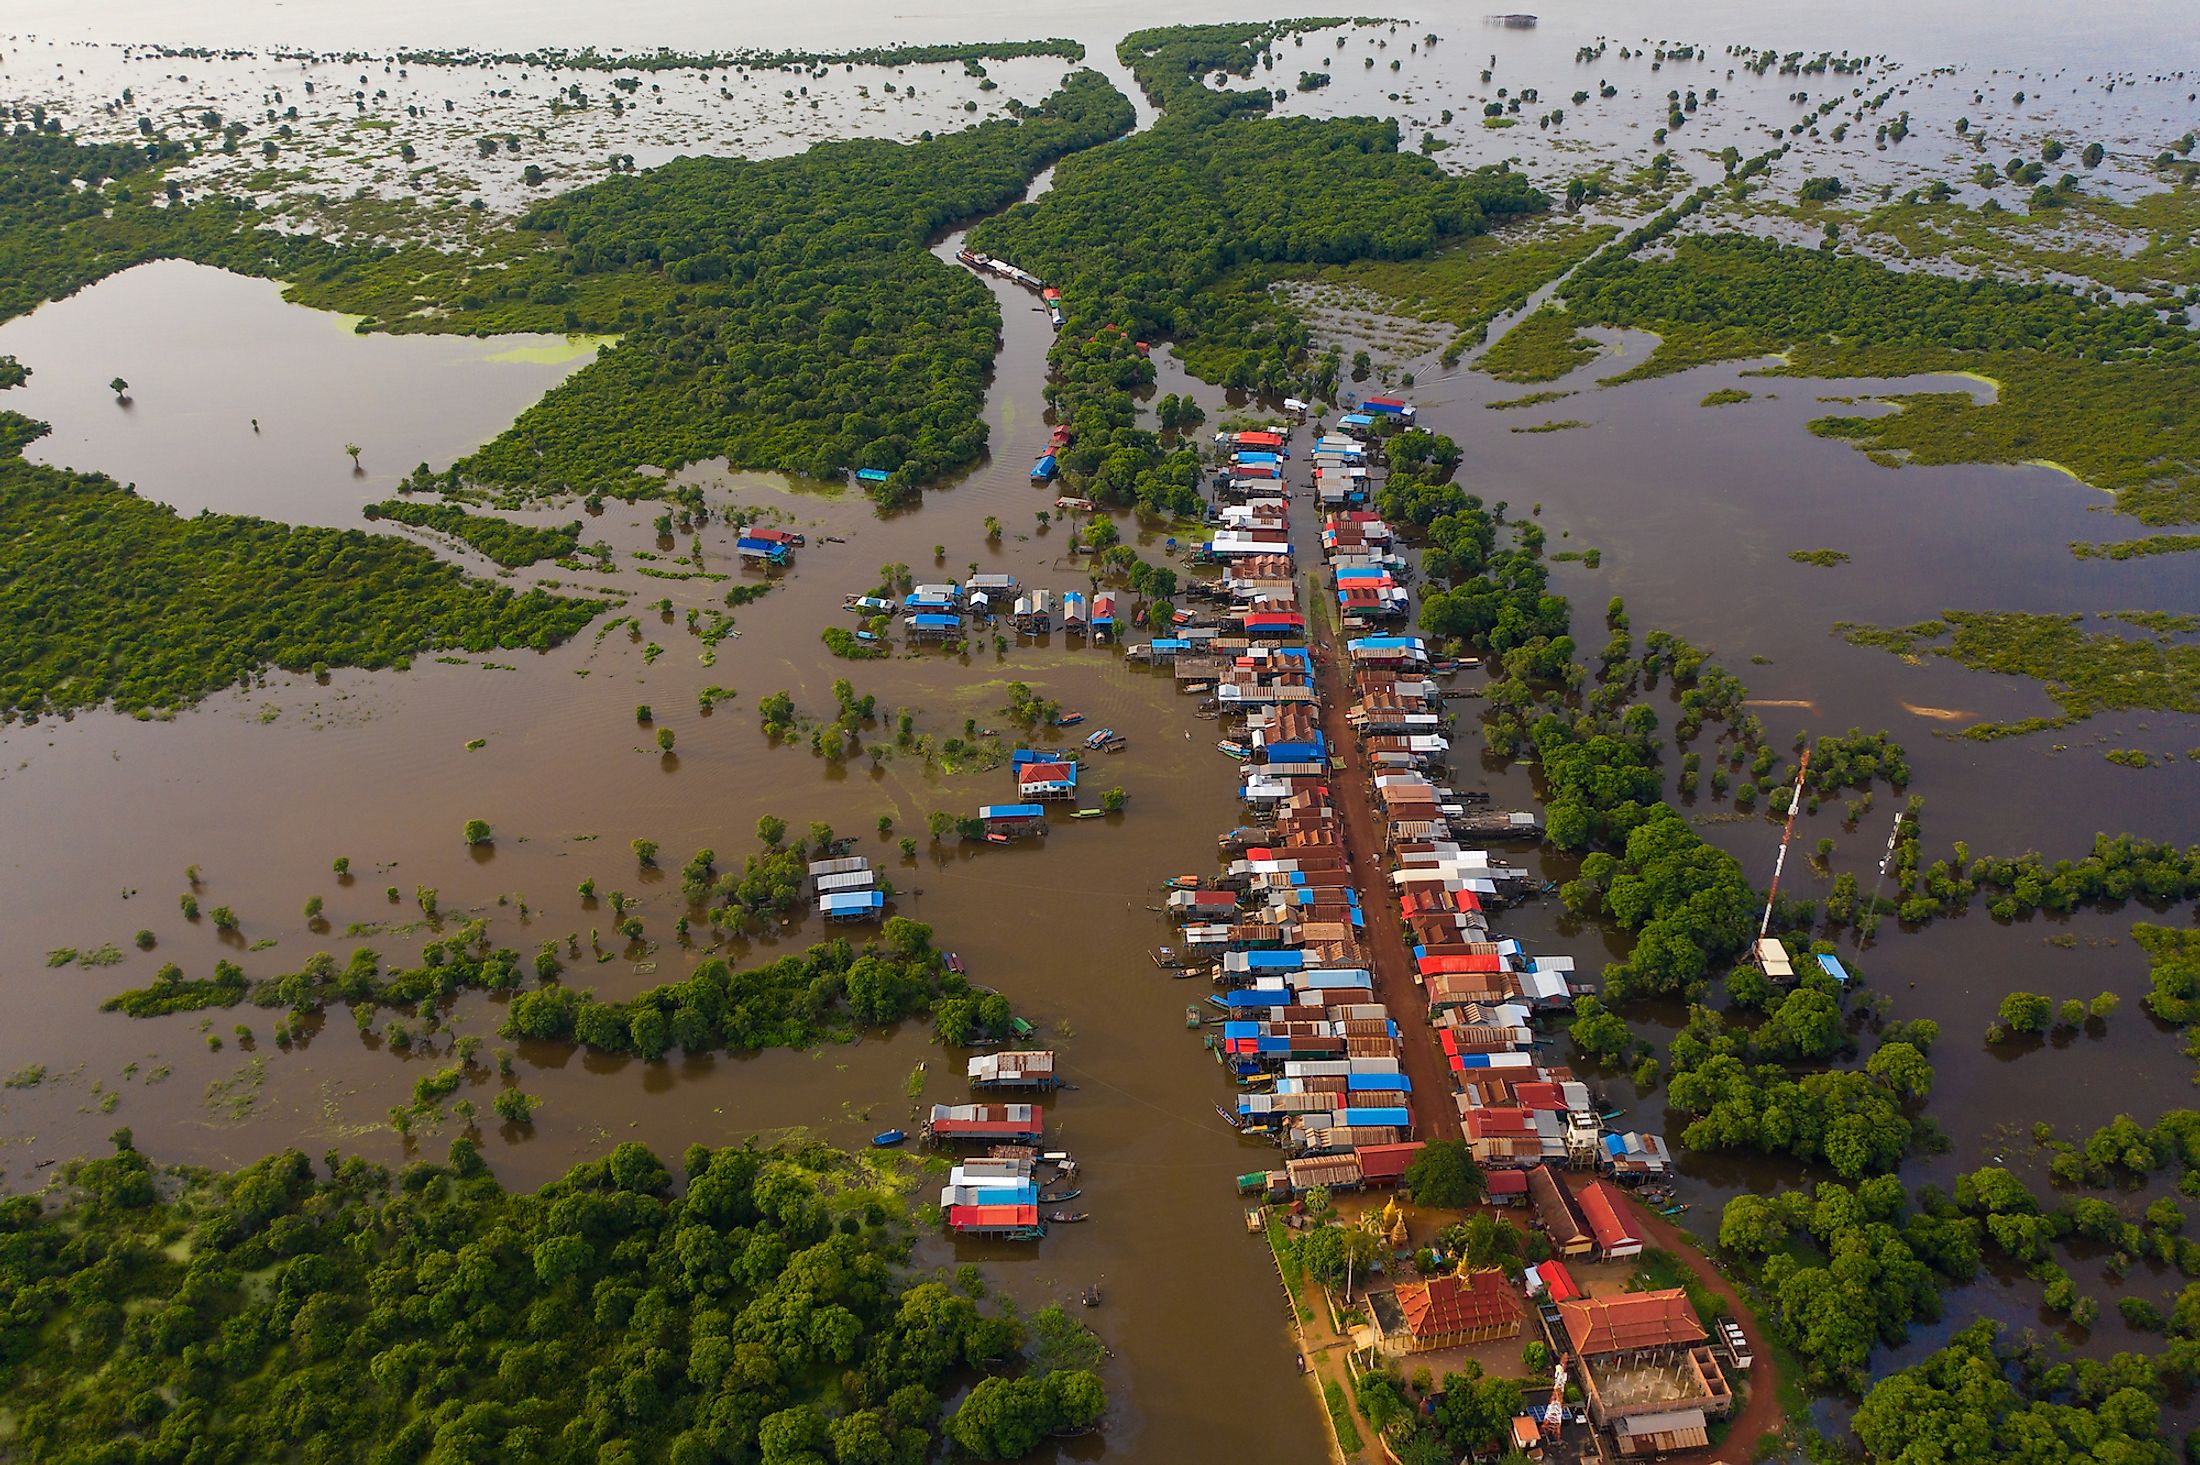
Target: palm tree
pixel 353 449
pixel 120 388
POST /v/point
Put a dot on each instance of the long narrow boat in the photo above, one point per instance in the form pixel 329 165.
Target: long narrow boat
pixel 1068 1218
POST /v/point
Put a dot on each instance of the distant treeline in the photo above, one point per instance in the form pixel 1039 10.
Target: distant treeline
pixel 590 59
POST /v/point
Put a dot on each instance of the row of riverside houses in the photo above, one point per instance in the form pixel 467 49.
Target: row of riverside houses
pixel 1642 1360
pixel 1315 1056
pixel 1482 988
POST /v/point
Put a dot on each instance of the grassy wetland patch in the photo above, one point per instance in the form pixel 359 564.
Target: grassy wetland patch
pixel 1470 283
pixel 2108 392
pixel 1543 347
pixel 2083 672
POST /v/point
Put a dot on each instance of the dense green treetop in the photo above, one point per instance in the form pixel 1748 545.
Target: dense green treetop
pixel 755 1309
pixel 510 545
pixel 1971 1402
pixel 108 596
pixel 1226 196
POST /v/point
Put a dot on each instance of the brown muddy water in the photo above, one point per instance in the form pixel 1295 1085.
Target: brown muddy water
pixel 1693 509
pixel 242 403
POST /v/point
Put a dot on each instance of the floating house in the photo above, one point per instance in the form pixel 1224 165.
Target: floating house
pixel 1014 821
pixel 1033 613
pixel 984 1123
pixel 1044 777
pixel 1031 1068
pixel 934 626
pixel 852 905
pixel 993 1197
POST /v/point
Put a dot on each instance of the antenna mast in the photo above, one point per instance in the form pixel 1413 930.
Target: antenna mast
pixel 1795 801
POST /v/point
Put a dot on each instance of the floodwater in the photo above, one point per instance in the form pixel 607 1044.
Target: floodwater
pixel 1693 509
pixel 242 403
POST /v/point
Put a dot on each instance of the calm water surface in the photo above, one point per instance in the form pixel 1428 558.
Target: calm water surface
pixel 1693 509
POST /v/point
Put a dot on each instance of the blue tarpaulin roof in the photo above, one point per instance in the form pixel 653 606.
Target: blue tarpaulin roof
pixel 872 475
pixel 1001 1195
pixel 852 900
pixel 1831 966
pixel 1395 1118
pixel 1012 811
pixel 936 622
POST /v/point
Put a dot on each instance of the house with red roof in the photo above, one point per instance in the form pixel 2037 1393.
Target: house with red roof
pixel 1453 1311
pixel 1610 1219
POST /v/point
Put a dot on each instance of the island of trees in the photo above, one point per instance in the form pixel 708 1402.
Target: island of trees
pixel 757 1306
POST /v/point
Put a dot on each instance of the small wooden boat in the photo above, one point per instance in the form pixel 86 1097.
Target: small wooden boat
pixel 1191 1017
pixel 1674 1210
pixel 1233 750
pixel 996 839
pixel 1088 814
pixel 1065 1196
pixel 1115 745
pixel 1196 688
pixel 1100 737
pixel 1090 1297
pixel 1181 882
pixel 1069 719
pixel 1068 1218
pixel 886 1139
pixel 954 963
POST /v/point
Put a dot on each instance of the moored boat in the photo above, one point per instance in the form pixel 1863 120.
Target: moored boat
pixel 886 1139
